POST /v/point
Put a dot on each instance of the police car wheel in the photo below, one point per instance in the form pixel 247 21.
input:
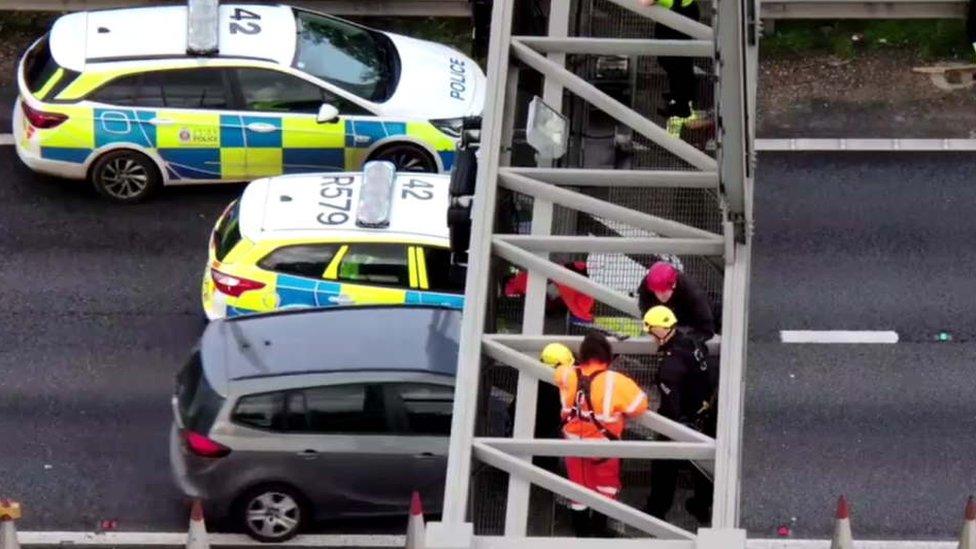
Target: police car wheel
pixel 125 176
pixel 272 512
pixel 407 158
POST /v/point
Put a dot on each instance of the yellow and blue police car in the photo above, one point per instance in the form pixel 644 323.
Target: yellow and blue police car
pixel 133 99
pixel 331 239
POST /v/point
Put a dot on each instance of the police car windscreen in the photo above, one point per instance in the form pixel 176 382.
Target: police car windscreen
pixel 356 59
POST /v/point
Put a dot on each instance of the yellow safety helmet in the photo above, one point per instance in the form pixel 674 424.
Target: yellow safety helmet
pixel 557 354
pixel 659 317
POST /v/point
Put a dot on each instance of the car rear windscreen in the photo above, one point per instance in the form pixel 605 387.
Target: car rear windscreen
pixel 39 66
pixel 228 231
pixel 198 403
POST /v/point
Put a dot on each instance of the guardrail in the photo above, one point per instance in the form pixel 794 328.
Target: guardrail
pixel 771 9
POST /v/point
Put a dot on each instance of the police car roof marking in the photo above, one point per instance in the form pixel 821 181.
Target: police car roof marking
pixel 263 216
pixel 161 31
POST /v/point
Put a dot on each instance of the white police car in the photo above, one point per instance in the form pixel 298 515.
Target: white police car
pixel 136 98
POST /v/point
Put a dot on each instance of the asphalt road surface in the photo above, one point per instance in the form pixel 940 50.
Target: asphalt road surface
pixel 100 304
pixel 862 242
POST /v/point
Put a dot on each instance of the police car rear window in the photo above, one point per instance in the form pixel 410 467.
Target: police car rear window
pixel 228 231
pixel 40 69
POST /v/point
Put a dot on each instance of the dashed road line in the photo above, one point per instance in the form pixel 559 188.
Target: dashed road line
pixel 839 336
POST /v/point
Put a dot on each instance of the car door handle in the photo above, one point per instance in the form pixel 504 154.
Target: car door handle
pixel 341 299
pixel 426 455
pixel 261 127
pixel 308 454
pixel 160 121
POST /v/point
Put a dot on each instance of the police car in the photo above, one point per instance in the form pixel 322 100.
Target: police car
pixel 322 240
pixel 133 99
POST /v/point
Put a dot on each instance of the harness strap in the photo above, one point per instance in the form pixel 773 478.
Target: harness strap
pixel 583 383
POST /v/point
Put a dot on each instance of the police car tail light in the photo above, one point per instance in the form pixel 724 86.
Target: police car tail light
pixel 232 285
pixel 376 194
pixel 202 446
pixel 202 26
pixel 41 119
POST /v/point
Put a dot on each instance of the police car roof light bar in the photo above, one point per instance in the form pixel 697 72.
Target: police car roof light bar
pixel 376 194
pixel 202 27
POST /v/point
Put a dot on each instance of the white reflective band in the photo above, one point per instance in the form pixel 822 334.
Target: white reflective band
pixel 608 490
pixel 637 402
pixel 608 394
pixel 608 419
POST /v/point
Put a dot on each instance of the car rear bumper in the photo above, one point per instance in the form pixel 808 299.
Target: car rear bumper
pixel 29 151
pixel 193 476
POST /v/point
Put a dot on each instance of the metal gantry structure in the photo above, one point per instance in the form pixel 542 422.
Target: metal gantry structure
pixel 732 44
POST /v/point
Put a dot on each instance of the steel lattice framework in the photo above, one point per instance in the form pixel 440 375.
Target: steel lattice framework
pixel 732 45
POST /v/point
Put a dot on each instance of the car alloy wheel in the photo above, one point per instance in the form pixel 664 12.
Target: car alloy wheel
pixel 124 179
pixel 408 158
pixel 273 515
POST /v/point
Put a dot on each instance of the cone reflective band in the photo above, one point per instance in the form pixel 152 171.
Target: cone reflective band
pixel 202 27
pixel 376 194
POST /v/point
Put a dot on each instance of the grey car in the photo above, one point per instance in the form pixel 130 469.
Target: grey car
pixel 287 418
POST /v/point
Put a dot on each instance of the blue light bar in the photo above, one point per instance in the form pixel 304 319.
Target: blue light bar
pixel 202 27
pixel 376 194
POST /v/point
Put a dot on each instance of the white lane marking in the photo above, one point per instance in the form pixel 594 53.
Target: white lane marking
pixel 838 336
pixel 825 544
pixel 6 139
pixel 857 144
pixel 179 539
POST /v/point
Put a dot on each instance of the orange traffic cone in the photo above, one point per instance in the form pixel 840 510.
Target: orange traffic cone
pixel 415 525
pixel 842 529
pixel 9 512
pixel 967 538
pixel 197 536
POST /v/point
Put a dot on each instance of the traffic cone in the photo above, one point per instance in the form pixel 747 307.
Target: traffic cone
pixel 197 536
pixel 842 530
pixel 967 538
pixel 415 525
pixel 9 512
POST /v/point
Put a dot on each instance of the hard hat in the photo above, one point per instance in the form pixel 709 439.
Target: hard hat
pixel 557 354
pixel 659 317
pixel 661 277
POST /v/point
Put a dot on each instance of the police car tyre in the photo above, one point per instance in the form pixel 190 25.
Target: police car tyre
pixel 407 158
pixel 125 176
pixel 272 512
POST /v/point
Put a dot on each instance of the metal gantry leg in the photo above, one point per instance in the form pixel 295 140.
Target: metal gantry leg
pixel 732 45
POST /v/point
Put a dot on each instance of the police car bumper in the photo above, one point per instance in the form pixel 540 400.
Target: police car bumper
pixel 30 154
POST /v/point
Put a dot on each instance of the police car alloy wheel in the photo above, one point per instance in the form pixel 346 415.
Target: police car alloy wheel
pixel 407 158
pixel 125 176
pixel 273 513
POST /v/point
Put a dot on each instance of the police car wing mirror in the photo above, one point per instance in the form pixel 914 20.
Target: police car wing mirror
pixel 327 114
pixel 546 130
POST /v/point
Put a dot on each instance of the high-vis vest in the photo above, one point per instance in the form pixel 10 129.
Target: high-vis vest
pixel 668 4
pixel 600 412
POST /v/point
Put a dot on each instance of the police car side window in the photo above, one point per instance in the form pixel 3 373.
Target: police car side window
pixel 376 264
pixel 121 91
pixel 190 88
pixel 439 279
pixel 268 90
pixel 309 261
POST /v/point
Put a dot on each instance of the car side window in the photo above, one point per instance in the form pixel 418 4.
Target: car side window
pixel 264 411
pixel 304 260
pixel 438 262
pixel 377 264
pixel 428 407
pixel 189 88
pixel 272 91
pixel 121 91
pixel 341 409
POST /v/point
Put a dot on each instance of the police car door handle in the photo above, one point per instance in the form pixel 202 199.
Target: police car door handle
pixel 341 299
pixel 261 127
pixel 160 121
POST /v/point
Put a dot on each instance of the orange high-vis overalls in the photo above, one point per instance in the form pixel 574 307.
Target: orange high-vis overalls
pixel 601 414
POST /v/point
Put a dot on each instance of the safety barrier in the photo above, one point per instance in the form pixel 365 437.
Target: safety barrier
pixel 363 8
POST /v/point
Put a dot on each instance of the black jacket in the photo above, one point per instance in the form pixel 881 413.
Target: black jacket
pixel 689 303
pixel 683 380
pixel 971 23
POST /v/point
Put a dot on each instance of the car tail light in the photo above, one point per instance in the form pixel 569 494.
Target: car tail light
pixel 204 447
pixel 232 285
pixel 41 119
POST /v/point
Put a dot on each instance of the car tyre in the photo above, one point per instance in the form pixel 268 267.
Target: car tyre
pixel 125 176
pixel 407 158
pixel 272 513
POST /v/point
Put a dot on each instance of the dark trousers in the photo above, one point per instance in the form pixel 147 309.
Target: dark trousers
pixel 680 70
pixel 664 481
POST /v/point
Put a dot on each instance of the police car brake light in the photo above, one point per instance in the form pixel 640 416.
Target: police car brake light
pixel 376 194
pixel 232 285
pixel 40 119
pixel 202 26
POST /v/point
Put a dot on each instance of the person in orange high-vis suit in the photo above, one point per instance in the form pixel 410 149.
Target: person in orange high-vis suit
pixel 596 403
